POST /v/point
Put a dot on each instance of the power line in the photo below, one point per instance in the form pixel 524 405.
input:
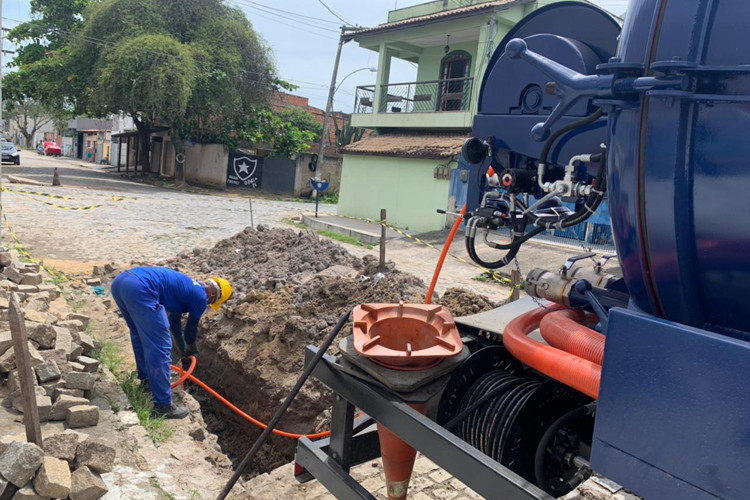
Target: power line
pixel 305 23
pixel 293 26
pixel 335 15
pixel 288 12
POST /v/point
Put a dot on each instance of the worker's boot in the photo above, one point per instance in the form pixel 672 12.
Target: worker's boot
pixel 146 387
pixel 170 411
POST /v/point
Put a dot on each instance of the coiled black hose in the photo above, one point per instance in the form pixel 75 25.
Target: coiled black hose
pixel 488 409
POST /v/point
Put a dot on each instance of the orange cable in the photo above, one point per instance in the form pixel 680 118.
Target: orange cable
pixel 188 375
pixel 444 254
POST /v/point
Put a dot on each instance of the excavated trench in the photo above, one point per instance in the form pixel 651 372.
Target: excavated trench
pixel 290 289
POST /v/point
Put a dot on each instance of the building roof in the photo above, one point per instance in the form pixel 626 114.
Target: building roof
pixel 438 16
pixel 410 144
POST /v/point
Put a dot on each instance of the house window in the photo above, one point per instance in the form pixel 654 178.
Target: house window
pixel 454 72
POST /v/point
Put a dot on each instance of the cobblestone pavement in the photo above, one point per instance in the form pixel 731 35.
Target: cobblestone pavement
pixel 154 225
pixel 429 482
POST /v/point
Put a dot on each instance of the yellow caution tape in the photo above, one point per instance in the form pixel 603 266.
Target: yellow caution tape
pixel 22 250
pixel 90 207
pixel 38 193
pixel 27 193
pixel 494 275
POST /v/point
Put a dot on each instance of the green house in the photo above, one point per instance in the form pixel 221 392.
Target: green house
pixel 420 126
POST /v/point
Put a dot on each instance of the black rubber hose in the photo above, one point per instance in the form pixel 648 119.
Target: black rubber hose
pixel 514 248
pixel 588 120
pixel 476 404
pixel 541 450
pixel 287 402
pixel 594 199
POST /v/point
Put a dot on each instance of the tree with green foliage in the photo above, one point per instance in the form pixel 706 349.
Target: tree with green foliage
pixel 37 76
pixel 302 120
pixel 194 66
pixel 29 116
pixel 287 132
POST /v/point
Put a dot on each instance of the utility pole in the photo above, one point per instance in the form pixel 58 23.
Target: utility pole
pixel 2 46
pixel 329 106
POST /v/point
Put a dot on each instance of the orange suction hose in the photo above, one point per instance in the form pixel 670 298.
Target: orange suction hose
pixel 580 374
pixel 184 375
pixel 563 329
pixel 443 255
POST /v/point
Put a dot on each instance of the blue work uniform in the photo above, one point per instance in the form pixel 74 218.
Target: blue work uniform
pixel 145 296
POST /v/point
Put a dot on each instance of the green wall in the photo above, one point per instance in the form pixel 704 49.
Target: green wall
pixel 405 187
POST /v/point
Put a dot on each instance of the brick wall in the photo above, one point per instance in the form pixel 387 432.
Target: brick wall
pixel 282 100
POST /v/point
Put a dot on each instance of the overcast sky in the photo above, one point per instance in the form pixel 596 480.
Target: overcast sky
pixel 304 48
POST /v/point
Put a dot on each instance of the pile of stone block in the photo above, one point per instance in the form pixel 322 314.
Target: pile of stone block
pixel 59 347
pixel 65 373
pixel 65 385
pixel 68 467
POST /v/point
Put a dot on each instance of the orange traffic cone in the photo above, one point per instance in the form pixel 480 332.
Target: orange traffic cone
pixel 398 460
pixel 56 178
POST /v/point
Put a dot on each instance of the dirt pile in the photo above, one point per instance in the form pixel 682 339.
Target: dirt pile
pixel 462 302
pixel 290 288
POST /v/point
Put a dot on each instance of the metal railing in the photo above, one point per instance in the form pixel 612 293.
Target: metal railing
pixel 417 97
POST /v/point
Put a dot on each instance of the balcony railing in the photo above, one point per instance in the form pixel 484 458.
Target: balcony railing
pixel 417 97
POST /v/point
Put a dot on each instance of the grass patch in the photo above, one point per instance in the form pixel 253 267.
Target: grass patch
pixel 78 305
pixel 110 356
pixel 289 221
pixel 329 199
pixel 484 278
pixel 157 428
pixel 165 495
pixel 343 239
pixel 56 279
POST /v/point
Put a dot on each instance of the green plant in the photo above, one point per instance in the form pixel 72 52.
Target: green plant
pixel 157 428
pixel 332 199
pixel 78 305
pixel 162 493
pixel 114 404
pixel 484 278
pixel 343 239
pixel 56 280
pixel 346 134
pixel 289 221
pixel 110 356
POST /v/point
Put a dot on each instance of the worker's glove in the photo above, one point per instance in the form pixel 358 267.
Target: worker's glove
pixel 190 350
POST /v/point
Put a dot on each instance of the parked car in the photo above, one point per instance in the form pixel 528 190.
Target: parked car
pixel 10 153
pixel 51 149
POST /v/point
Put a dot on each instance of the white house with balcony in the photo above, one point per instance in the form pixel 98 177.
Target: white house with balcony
pixel 420 125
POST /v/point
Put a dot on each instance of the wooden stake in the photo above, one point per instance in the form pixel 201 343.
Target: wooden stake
pixel 252 223
pixel 25 372
pixel 515 281
pixel 382 240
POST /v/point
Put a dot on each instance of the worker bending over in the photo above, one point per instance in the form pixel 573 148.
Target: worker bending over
pixel 152 301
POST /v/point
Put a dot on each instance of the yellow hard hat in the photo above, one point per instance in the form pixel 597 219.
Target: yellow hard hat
pixel 226 292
